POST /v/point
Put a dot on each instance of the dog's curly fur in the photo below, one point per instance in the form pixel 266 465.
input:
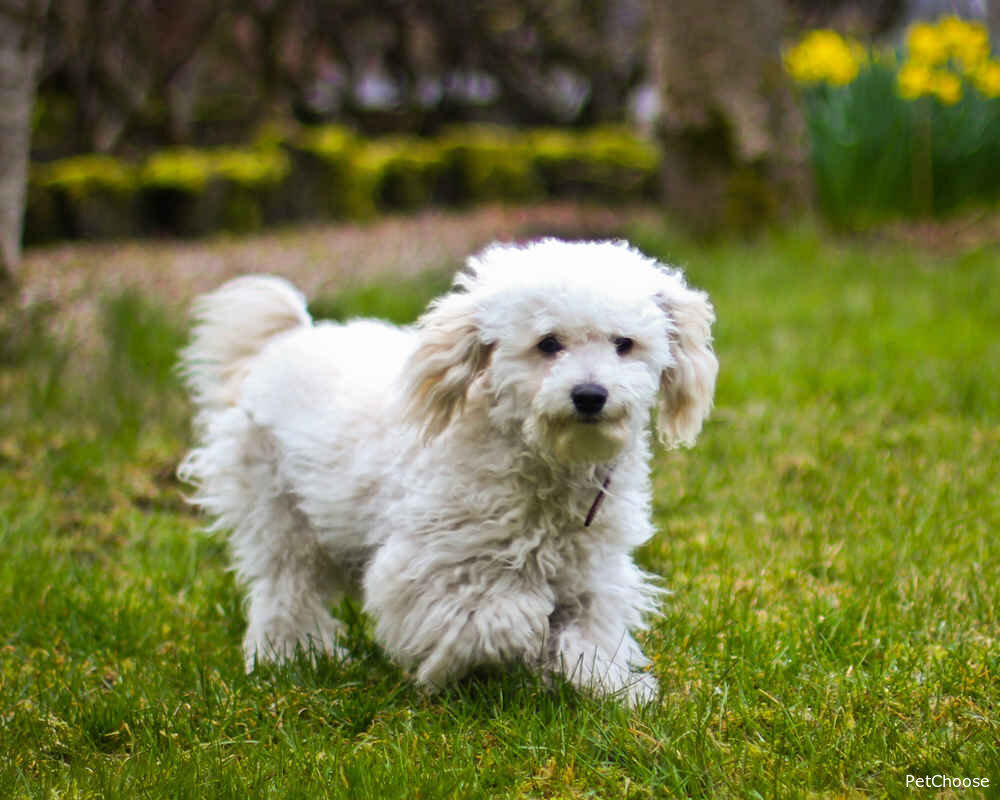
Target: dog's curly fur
pixel 450 474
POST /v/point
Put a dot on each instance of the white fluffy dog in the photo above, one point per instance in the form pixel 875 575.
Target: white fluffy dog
pixel 479 479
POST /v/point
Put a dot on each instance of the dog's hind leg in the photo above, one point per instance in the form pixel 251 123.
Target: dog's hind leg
pixel 291 586
pixel 290 583
pixel 288 608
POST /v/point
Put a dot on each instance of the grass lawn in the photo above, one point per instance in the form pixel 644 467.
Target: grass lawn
pixel 831 544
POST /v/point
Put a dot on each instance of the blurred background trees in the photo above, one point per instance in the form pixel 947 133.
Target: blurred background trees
pixel 124 75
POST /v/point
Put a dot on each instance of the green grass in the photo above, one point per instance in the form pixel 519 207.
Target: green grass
pixel 830 542
pixel 400 301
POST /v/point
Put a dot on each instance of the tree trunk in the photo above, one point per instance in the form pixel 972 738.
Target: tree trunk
pixel 731 131
pixel 21 40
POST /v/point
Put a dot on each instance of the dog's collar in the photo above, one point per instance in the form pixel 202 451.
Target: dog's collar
pixel 598 500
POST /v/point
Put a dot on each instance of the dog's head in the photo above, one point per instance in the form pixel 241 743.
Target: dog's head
pixel 569 345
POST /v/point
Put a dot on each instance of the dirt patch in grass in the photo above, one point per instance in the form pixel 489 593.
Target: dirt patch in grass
pixel 71 278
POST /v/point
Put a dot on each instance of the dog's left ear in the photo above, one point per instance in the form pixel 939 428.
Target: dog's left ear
pixel 686 388
pixel 450 356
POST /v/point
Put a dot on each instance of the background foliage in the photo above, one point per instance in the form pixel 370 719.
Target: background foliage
pixel 331 173
pixel 900 121
pixel 131 75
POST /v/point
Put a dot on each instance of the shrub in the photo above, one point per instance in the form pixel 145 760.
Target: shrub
pixel 913 131
pixel 322 172
pixel 609 163
pixel 194 191
pixel 394 173
pixel 348 177
pixel 485 163
pixel 88 196
pixel 330 172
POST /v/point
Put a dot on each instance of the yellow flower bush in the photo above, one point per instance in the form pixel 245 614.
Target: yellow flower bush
pixel 923 44
pixel 916 80
pixel 824 56
pixel 987 79
pixel 940 55
pixel 940 58
pixel 906 130
pixel 950 38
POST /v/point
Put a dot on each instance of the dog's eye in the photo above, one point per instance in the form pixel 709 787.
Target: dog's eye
pixel 623 345
pixel 550 345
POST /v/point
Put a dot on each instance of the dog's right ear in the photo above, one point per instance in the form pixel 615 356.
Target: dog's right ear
pixel 449 357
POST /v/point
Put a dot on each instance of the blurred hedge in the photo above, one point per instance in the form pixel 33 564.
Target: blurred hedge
pixel 330 173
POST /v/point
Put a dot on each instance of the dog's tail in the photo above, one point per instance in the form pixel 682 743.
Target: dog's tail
pixel 231 326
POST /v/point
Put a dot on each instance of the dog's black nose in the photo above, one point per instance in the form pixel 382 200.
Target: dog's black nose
pixel 589 398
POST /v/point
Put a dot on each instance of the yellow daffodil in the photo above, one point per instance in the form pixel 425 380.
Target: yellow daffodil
pixel 824 56
pixel 947 88
pixel 949 39
pixel 968 42
pixel 939 59
pixel 912 81
pixel 987 78
pixel 925 45
pixel 917 80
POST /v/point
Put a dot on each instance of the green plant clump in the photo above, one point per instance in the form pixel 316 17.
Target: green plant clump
pixel 913 132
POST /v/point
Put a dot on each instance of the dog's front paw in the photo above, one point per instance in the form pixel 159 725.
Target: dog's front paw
pixel 592 668
pixel 641 689
pixel 504 632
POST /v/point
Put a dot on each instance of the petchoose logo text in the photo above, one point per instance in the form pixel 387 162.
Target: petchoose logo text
pixel 945 782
